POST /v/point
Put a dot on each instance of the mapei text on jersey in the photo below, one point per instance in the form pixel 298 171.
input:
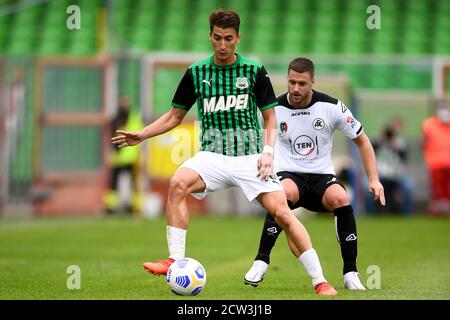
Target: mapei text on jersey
pixel 225 103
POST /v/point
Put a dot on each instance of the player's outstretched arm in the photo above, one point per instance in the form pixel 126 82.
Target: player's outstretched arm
pixel 165 123
pixel 370 164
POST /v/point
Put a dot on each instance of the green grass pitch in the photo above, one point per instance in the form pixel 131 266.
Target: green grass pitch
pixel 412 253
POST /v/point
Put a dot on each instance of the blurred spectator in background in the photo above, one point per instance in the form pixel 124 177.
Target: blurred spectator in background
pixel 12 122
pixel 436 149
pixel 392 156
pixel 122 195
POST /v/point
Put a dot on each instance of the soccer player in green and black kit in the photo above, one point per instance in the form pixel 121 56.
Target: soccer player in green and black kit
pixel 228 89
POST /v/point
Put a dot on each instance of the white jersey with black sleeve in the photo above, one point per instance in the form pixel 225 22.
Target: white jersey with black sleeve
pixel 305 136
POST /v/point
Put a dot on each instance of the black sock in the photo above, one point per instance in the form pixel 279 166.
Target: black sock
pixel 347 238
pixel 269 236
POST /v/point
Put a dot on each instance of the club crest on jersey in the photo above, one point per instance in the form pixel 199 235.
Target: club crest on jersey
pixel 241 83
pixel 318 124
pixel 283 127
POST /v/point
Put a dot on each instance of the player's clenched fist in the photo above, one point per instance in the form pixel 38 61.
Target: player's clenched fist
pixel 126 139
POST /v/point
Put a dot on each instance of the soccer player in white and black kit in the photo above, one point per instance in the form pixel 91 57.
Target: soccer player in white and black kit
pixel 306 122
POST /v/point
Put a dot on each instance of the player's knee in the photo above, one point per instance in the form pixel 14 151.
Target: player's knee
pixel 177 187
pixel 283 217
pixel 291 196
pixel 339 200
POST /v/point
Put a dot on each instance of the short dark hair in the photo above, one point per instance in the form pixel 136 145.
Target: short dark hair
pixel 301 65
pixel 224 18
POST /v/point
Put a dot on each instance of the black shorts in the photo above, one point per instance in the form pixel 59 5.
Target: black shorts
pixel 311 188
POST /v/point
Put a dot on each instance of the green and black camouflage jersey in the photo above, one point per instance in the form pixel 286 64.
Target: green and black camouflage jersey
pixel 228 98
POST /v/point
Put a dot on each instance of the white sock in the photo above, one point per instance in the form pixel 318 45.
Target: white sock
pixel 176 240
pixel 311 262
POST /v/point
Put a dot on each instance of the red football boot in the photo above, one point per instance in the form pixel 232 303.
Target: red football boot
pixel 325 289
pixel 158 268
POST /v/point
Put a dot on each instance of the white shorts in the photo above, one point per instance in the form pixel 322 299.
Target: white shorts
pixel 221 172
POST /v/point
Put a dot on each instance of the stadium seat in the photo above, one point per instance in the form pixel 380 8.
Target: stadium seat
pixel 327 7
pixel 293 48
pixel 50 48
pixel 325 42
pixel 164 87
pixel 414 78
pixel 3 31
pixel 265 21
pixel 142 40
pixel 443 7
pixel 353 38
pixel 54 19
pixel 241 6
pixel 387 6
pixel 143 18
pixel 173 40
pixel 386 39
pixel 267 7
pixel 143 29
pixel 414 42
pixel 262 45
pixel 204 8
pixel 441 24
pixel 294 22
pixel 299 8
pixel 82 46
pixel 416 23
pixel 326 21
pixel 200 43
pixel 356 74
pixel 356 8
pixel 292 41
pixel 441 44
pixel 354 21
pixel 88 5
pixel 264 33
pixel 380 77
pixel 145 6
pixel 418 7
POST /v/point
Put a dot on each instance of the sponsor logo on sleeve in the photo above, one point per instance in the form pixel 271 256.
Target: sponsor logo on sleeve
pixel 351 121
